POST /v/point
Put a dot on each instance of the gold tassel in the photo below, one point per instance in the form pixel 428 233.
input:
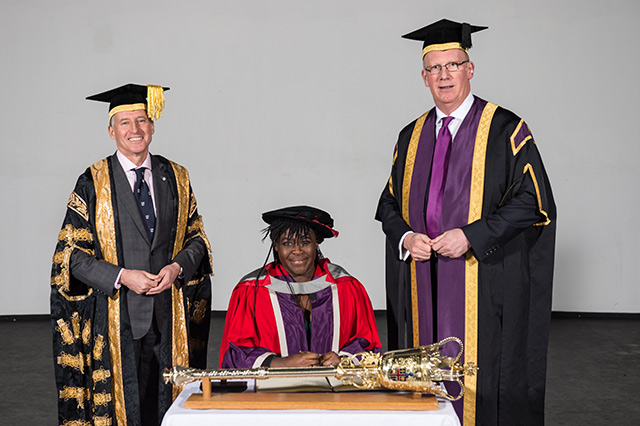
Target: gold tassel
pixel 155 101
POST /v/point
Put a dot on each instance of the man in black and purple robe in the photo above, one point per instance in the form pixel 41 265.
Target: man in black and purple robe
pixel 470 223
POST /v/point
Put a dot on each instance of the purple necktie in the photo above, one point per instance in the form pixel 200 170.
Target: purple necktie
pixel 438 178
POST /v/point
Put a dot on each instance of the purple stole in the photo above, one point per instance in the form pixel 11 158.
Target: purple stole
pixel 451 280
pixel 455 214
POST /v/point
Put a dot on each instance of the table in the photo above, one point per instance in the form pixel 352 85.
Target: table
pixel 177 415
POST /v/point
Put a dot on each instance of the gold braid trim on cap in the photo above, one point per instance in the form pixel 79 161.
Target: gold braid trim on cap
pixel 126 107
pixel 443 46
pixel 155 101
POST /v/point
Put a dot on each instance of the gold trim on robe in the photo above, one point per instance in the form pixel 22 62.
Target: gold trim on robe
pixel 105 229
pixel 517 149
pixel 180 340
pixel 406 189
pixel 471 266
pixel 529 169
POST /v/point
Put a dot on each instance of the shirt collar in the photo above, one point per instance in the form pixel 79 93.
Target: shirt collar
pixel 460 113
pixel 129 165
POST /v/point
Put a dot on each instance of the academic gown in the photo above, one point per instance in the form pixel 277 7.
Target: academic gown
pixel 264 319
pixel 92 334
pixel 497 297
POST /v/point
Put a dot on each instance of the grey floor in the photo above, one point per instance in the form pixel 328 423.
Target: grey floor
pixel 593 371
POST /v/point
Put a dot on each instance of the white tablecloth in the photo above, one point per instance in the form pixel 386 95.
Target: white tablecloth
pixel 180 416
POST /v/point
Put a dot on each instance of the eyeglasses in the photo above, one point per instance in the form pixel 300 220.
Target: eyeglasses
pixel 451 67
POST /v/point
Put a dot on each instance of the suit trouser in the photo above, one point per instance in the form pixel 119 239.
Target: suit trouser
pixel 147 353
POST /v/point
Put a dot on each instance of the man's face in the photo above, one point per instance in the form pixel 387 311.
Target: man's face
pixel 132 131
pixel 298 255
pixel 449 89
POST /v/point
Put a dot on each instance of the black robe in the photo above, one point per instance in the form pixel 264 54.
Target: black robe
pixel 92 340
pixel 497 297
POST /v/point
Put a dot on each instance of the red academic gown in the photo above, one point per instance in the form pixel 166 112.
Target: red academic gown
pixel 264 319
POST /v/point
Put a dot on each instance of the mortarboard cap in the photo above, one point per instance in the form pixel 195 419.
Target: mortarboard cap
pixel 444 35
pixel 317 219
pixel 132 97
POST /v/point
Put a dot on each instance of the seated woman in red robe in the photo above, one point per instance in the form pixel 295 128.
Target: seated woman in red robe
pixel 299 310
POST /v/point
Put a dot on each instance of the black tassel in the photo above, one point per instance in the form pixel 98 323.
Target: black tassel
pixel 255 288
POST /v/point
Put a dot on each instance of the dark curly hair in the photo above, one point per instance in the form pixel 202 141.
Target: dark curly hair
pixel 293 228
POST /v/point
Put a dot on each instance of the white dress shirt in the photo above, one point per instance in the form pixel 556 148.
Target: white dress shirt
pixel 130 171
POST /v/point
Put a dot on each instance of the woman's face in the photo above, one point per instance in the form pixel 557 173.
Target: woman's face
pixel 298 254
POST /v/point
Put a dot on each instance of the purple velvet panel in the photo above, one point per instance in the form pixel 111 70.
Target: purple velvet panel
pixel 321 322
pixel 421 172
pixel 417 198
pixel 455 214
pixel 293 324
pixel 241 356
pixel 451 295
pixel 523 133
pixel 358 345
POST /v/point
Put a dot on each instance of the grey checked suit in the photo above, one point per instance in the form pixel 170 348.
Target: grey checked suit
pixel 137 251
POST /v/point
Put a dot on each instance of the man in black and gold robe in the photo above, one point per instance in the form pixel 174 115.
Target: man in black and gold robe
pixel 130 291
pixel 470 223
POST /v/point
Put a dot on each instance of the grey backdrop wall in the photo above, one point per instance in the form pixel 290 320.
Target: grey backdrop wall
pixel 285 102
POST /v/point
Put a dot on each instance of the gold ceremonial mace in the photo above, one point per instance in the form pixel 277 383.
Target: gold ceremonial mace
pixel 420 369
